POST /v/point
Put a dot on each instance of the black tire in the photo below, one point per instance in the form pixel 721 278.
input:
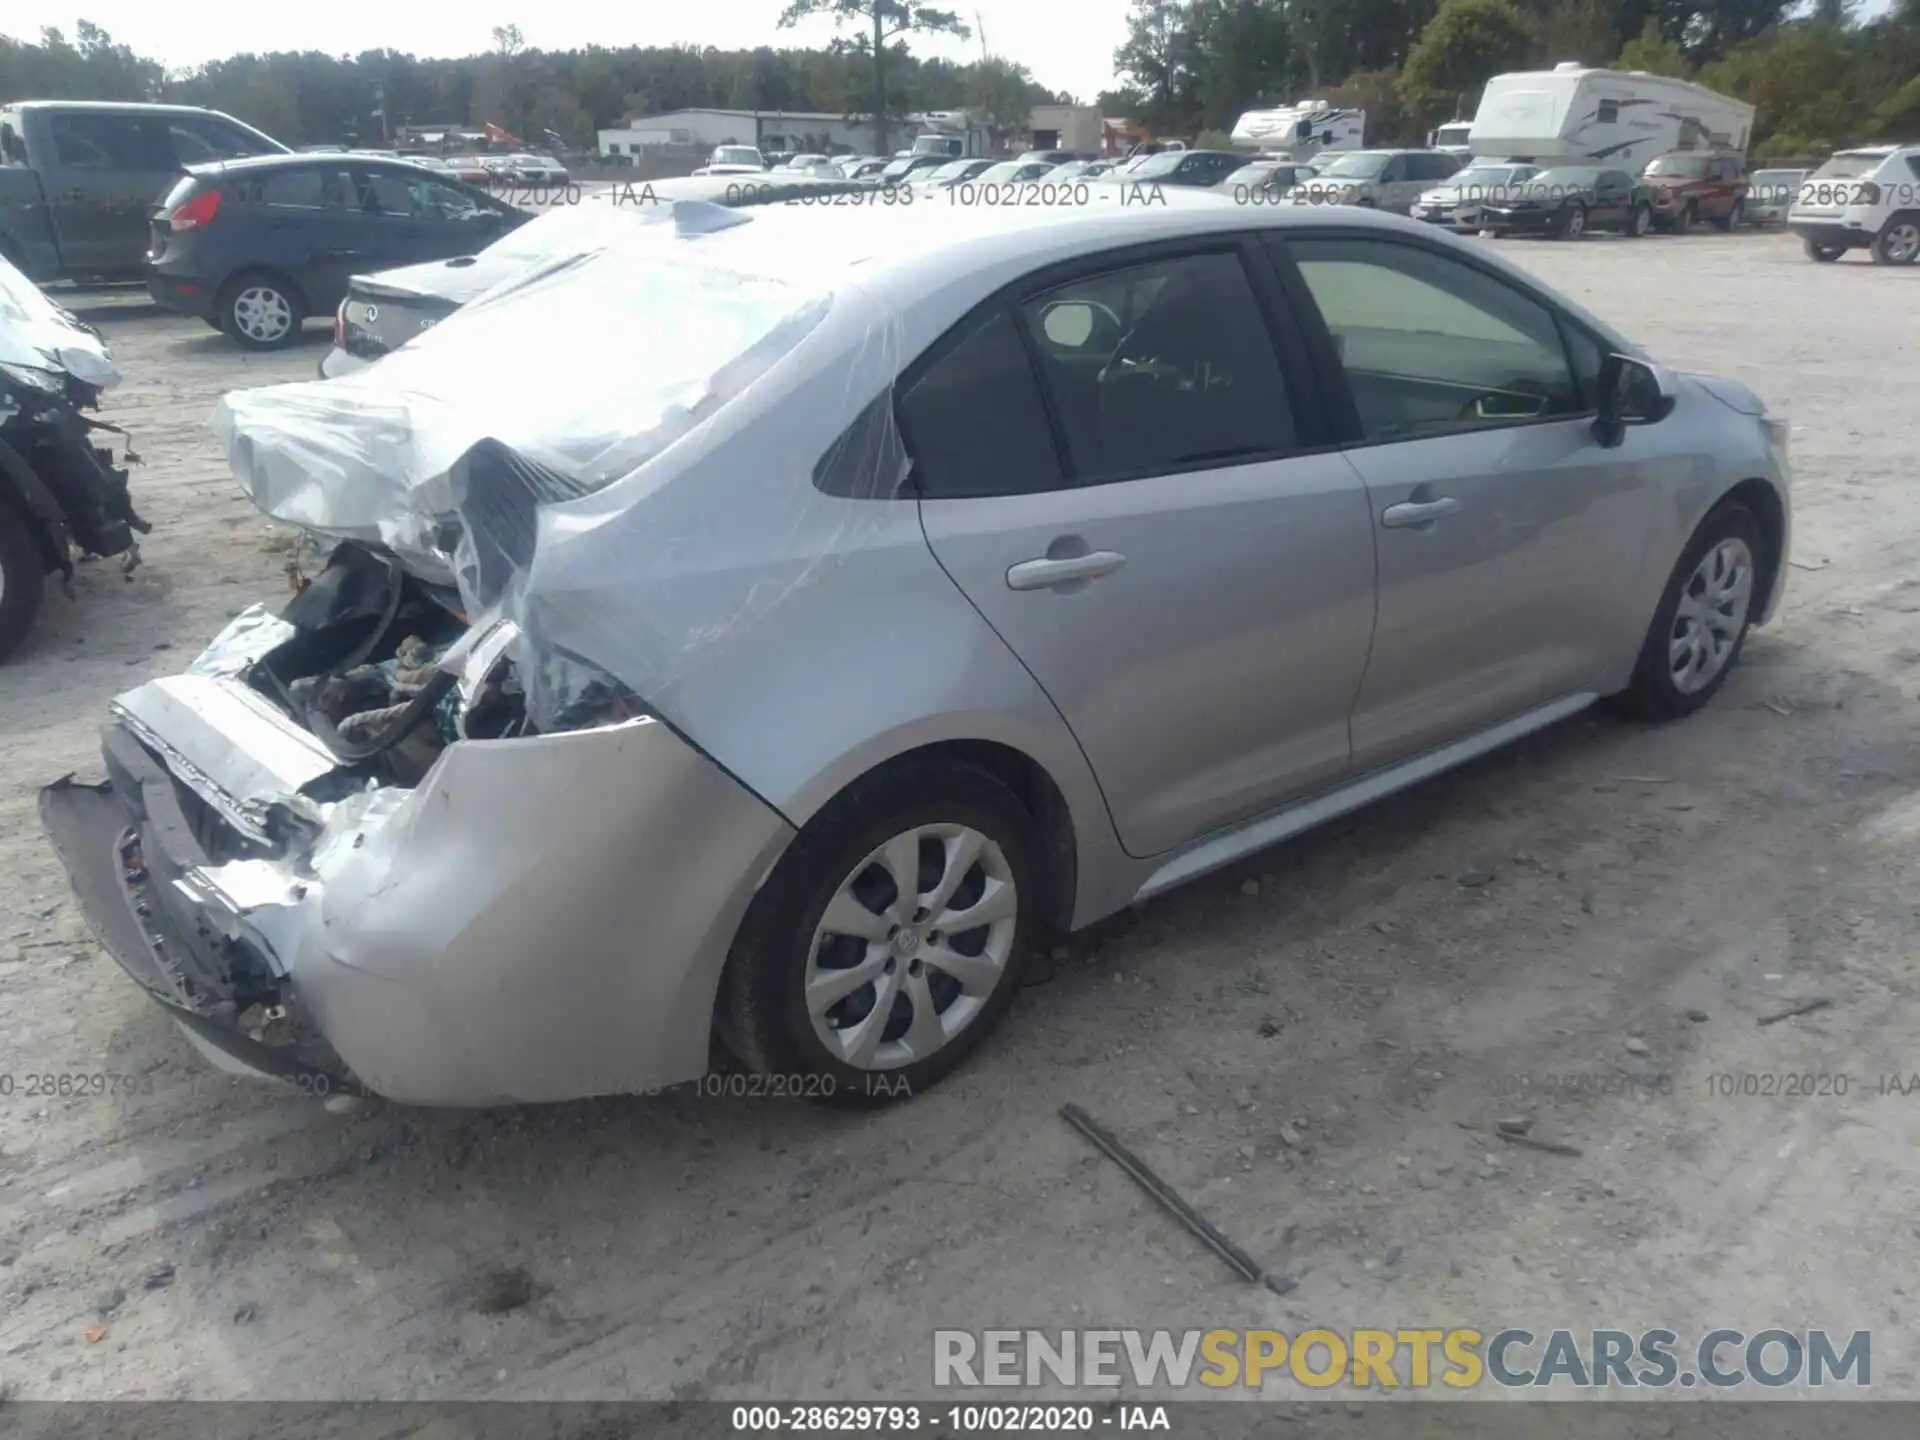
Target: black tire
pixel 1726 222
pixel 236 294
pixel 1572 223
pixel 23 579
pixel 1652 694
pixel 1640 220
pixel 1683 222
pixel 1898 242
pixel 1822 251
pixel 761 1014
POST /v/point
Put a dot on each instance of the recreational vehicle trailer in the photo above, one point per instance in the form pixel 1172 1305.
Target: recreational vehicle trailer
pixel 1625 117
pixel 1302 131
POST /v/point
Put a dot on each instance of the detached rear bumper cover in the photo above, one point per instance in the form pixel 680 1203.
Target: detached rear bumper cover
pixel 542 918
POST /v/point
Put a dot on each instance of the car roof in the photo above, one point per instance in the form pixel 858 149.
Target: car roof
pixel 137 106
pixel 298 159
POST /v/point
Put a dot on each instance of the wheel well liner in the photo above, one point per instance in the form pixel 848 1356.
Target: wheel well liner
pixel 1759 497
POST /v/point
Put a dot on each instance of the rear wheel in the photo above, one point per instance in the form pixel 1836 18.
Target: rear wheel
pixel 1702 620
pixel 1898 242
pixel 889 940
pixel 1823 251
pixel 1730 219
pixel 262 312
pixel 22 578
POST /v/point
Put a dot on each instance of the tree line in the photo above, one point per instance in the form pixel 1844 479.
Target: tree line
pixel 1819 78
pixel 308 97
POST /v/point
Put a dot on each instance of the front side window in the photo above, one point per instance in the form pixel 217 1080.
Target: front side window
pixel 1432 345
pixel 1161 367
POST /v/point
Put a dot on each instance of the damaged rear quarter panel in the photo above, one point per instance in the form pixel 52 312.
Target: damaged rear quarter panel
pixel 544 918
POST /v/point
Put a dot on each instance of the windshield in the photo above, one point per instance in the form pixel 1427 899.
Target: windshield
pixel 1358 165
pixel 896 169
pixel 1251 175
pixel 735 155
pixel 1155 166
pixel 1566 178
pixel 952 170
pixel 1847 167
pixel 1493 176
pixel 1685 167
pixel 935 145
pixel 1452 134
pixel 1004 173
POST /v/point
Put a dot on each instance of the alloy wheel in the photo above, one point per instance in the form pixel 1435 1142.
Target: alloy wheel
pixel 1576 223
pixel 1711 616
pixel 1902 242
pixel 262 314
pixel 912 946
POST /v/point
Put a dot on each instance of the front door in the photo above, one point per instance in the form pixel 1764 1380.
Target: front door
pixel 1503 527
pixel 1111 471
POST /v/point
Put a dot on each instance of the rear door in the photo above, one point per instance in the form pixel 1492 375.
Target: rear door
pixel 1119 468
pixel 1504 529
pixel 1397 189
pixel 112 169
pixel 307 225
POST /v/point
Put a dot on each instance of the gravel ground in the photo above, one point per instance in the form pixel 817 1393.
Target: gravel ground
pixel 1299 1043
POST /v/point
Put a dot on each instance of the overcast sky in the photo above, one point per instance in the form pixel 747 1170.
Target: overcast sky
pixel 1067 44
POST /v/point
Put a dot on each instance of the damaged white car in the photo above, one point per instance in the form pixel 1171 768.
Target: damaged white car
pixel 772 625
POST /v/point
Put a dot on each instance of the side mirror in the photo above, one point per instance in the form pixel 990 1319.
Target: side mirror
pixel 1632 392
pixel 1069 324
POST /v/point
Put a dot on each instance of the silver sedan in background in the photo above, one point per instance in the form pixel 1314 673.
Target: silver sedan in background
pixel 865 595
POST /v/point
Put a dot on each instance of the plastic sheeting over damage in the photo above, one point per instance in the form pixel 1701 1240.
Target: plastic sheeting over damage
pixel 526 448
pixel 41 335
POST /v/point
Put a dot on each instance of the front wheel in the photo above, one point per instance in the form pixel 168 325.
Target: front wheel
pixel 1822 251
pixel 1683 222
pixel 261 312
pixel 1573 224
pixel 889 940
pixel 1641 221
pixel 22 579
pixel 1701 623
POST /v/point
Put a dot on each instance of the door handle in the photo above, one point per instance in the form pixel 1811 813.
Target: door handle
pixel 1417 512
pixel 1044 574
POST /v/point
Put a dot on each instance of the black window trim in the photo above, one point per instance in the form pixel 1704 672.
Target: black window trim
pixel 1313 435
pixel 1337 394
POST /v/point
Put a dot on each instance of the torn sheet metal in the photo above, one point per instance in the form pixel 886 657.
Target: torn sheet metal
pixel 235 750
pixel 250 635
pixel 528 447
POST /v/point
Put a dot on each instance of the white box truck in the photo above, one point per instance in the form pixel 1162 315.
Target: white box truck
pixel 1299 132
pixel 1625 117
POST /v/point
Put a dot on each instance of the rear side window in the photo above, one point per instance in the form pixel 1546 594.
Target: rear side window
pixel 302 188
pixel 96 141
pixel 1161 367
pixel 1609 112
pixel 974 421
pixel 1913 166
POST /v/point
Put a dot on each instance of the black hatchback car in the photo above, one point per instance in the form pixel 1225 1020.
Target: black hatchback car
pixel 255 246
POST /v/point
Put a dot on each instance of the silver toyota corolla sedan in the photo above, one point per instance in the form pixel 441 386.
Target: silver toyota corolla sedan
pixel 775 625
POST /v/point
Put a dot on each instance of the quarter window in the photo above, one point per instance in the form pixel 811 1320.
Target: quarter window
pixel 1609 112
pixel 1431 345
pixel 974 421
pixel 1160 367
